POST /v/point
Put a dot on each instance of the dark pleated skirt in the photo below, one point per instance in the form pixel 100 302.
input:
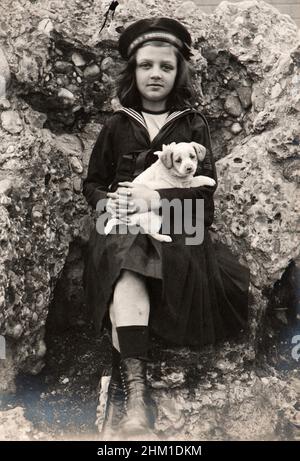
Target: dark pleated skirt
pixel 198 294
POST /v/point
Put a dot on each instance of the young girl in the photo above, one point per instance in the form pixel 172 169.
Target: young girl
pixel 187 294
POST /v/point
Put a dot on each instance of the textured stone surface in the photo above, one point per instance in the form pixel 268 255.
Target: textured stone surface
pixel 258 207
pixel 11 122
pixel 59 74
pixel 14 426
pixel 217 395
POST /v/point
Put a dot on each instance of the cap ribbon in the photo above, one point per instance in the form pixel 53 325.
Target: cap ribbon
pixel 163 36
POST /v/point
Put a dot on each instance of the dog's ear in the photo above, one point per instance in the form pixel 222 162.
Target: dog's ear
pixel 168 146
pixel 200 150
pixel 166 156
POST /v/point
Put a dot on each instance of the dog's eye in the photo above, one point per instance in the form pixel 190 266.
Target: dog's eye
pixel 178 160
pixel 192 156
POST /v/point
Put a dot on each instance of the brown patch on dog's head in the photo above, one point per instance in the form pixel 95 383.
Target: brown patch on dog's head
pixel 200 150
pixel 166 155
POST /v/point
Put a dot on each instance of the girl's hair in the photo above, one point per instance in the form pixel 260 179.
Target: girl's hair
pixel 182 94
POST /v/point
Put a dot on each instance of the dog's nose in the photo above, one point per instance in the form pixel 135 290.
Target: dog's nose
pixel 188 169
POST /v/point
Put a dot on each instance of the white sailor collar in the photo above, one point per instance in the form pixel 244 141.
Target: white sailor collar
pixel 137 116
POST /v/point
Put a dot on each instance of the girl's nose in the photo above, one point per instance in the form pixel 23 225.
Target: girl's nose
pixel 156 72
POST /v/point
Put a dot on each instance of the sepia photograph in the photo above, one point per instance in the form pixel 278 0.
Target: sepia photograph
pixel 149 225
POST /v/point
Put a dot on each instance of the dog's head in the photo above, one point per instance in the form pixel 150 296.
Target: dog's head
pixel 182 158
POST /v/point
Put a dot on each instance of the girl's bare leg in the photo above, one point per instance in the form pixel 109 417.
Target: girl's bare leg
pixel 114 334
pixel 130 304
pixel 129 314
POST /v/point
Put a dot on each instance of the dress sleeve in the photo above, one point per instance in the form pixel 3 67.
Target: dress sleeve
pixel 101 169
pixel 200 134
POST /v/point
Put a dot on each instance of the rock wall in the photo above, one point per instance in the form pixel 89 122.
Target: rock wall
pixel 216 395
pixel 57 76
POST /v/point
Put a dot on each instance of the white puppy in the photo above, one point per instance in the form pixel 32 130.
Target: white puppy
pixel 175 167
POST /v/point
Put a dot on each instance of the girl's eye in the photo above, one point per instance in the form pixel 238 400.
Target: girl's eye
pixel 145 65
pixel 168 68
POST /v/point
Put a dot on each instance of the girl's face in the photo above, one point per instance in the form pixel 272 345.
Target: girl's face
pixel 156 69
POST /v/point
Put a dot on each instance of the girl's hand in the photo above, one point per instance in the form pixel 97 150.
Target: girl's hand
pixel 134 197
pixel 119 206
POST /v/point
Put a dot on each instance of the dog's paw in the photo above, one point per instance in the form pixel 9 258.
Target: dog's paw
pixel 198 181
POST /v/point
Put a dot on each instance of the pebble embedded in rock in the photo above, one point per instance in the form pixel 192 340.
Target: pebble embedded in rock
pixel 4 200
pixel 10 150
pixel 63 66
pixel 106 79
pixel 258 98
pixel 4 104
pixel 39 303
pixel 17 331
pixel 276 90
pixel 115 104
pixel 28 69
pixel 244 93
pixel 36 119
pixel 35 317
pixel 5 186
pixel 78 60
pixel 28 248
pixel 36 215
pixel 66 94
pixel 76 165
pixel 233 106
pixel 225 365
pixel 283 83
pixel 69 144
pixel 236 128
pixel 46 26
pixel 107 63
pixel 41 348
pixel 91 71
pixel 11 121
pixel 292 171
pixel 185 10
pixel 72 88
pixel 77 184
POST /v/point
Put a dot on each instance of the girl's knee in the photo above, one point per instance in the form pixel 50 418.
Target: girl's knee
pixel 130 275
pixel 130 290
pixel 130 280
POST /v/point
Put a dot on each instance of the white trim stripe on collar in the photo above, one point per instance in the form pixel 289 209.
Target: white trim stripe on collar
pixel 139 118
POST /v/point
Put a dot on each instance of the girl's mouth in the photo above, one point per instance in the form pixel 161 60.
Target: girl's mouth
pixel 155 85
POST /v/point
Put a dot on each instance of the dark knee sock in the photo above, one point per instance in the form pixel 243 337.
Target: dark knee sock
pixel 133 341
